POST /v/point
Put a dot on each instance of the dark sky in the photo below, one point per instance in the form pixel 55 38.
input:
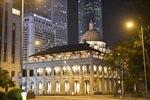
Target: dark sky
pixel 115 13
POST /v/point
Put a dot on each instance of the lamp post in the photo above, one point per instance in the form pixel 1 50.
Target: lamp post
pixel 143 50
pixel 21 36
pixel 145 74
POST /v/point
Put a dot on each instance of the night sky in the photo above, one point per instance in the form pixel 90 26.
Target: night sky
pixel 115 14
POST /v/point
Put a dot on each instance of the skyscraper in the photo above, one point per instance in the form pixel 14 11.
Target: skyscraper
pixel 63 13
pixel 59 17
pixel 72 20
pixel 89 10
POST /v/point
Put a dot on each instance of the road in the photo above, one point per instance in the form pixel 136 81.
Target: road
pixel 93 97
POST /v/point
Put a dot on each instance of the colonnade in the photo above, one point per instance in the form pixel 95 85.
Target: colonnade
pixel 72 80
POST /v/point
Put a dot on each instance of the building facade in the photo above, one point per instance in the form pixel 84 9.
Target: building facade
pixel 76 72
pixel 63 13
pixel 89 10
pixel 58 15
pixel 78 69
pixel 37 28
pixel 10 38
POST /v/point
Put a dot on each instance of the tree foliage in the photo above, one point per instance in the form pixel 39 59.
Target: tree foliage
pixel 5 80
pixel 128 57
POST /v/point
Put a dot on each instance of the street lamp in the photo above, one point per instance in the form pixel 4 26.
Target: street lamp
pixel 143 49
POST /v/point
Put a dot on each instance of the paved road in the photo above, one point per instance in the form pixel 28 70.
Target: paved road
pixel 100 97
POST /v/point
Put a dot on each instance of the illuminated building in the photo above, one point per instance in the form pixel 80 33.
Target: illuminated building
pixel 78 69
pixel 63 13
pixel 89 10
pixel 10 37
pixel 58 14
pixel 37 28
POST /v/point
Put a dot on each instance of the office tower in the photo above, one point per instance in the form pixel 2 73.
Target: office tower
pixel 10 33
pixel 72 20
pixel 89 10
pixel 37 28
pixel 63 13
pixel 56 10
pixel 58 15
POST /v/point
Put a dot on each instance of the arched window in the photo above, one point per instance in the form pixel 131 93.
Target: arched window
pixel 100 71
pixel 67 87
pixel 39 71
pixel 40 86
pixel 57 70
pixel 48 71
pixel 57 87
pixel 87 86
pixel 76 87
pixel 85 69
pixel 32 86
pixel 49 88
pixel 76 69
pixel 66 70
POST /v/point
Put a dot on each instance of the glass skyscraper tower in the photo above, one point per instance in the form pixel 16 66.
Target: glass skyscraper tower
pixel 89 10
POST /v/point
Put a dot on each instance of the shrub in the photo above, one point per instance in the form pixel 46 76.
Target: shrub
pixel 30 95
pixel 15 94
pixel 2 96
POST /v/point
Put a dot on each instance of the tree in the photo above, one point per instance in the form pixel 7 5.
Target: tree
pixel 129 55
pixel 5 80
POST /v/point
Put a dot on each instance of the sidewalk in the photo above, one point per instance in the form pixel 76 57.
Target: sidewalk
pixel 92 97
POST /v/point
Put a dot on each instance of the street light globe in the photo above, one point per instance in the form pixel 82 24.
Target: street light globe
pixel 129 24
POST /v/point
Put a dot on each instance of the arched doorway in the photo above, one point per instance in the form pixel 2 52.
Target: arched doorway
pixel 32 86
pixel 76 87
pixel 57 87
pixel 40 87
pixel 87 86
pixel 49 88
pixel 67 87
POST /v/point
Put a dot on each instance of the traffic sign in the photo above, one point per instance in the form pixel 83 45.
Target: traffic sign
pixel 20 74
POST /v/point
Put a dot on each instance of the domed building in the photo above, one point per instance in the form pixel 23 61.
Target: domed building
pixel 93 38
pixel 78 69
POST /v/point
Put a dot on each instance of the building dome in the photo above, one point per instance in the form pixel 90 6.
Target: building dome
pixel 91 34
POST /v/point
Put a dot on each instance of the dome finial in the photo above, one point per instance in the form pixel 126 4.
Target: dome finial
pixel 91 25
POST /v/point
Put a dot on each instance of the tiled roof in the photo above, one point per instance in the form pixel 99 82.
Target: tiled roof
pixel 66 48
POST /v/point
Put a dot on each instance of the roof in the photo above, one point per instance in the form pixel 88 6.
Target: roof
pixel 66 48
pixel 91 35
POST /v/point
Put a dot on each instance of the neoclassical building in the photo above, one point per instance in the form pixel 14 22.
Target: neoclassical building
pixel 78 69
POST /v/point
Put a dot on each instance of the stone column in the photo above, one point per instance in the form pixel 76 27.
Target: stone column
pixel 36 85
pixel 107 81
pixel 103 79
pixel 53 82
pixel 91 79
pixel 28 78
pixel 97 79
pixel 62 88
pixel 81 81
pixel 44 81
pixel 71 81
